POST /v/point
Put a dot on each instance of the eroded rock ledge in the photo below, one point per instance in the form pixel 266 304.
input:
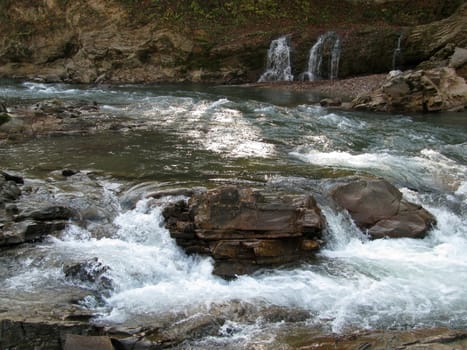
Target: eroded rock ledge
pixel 420 91
pixel 244 229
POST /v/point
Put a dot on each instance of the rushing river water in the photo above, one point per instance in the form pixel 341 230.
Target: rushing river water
pixel 208 136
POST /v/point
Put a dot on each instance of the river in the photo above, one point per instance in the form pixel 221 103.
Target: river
pixel 213 135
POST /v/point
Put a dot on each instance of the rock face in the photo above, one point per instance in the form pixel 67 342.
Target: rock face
pixel 93 41
pixel 44 334
pixel 26 222
pixel 435 42
pixel 378 208
pixel 245 229
pixel 433 90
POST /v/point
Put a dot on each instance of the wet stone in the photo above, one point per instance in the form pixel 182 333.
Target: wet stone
pixel 377 207
pixel 81 342
pixel 46 213
pixel 91 272
pixel 245 229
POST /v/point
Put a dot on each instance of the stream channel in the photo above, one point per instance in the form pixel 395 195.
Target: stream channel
pixel 260 137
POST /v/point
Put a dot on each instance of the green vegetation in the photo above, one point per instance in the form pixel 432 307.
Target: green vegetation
pixel 227 12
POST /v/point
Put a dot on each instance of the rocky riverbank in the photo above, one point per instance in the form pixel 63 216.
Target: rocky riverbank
pixel 344 90
pixel 243 229
pixel 115 41
pixel 419 91
pixel 70 335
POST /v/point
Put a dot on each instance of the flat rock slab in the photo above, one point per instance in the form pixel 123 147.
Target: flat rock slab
pixel 81 342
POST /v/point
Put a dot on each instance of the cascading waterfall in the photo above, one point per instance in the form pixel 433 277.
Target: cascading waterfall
pixel 396 56
pixel 278 64
pixel 330 43
pixel 335 58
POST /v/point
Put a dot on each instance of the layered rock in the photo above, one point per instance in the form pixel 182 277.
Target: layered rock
pixel 27 221
pixel 42 334
pixel 378 208
pixel 433 90
pixel 434 43
pixel 245 229
pixel 94 41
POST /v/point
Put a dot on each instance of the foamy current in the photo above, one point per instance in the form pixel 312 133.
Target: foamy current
pixel 208 137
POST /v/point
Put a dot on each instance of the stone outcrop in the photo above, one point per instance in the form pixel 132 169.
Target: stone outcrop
pixel 91 272
pixel 57 116
pixel 434 43
pixel 378 208
pixel 416 339
pixel 245 229
pixel 43 334
pixel 27 221
pixel 66 335
pixel 94 41
pixel 433 90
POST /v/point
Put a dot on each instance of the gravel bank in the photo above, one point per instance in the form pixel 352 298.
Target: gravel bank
pixel 346 89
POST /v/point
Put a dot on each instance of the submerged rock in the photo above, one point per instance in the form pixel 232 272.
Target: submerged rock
pixel 377 207
pixel 432 90
pixel 91 272
pixel 244 229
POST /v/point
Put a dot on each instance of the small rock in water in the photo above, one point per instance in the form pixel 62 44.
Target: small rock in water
pixel 69 172
pixel 91 271
pixel 15 178
pixel 330 102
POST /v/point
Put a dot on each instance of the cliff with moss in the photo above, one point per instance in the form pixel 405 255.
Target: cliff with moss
pixel 220 41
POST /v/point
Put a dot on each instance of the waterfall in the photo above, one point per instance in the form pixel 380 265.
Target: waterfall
pixel 327 44
pixel 396 56
pixel 335 58
pixel 314 61
pixel 278 64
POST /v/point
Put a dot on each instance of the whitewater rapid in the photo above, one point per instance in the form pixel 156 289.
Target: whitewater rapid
pixel 210 138
pixel 357 284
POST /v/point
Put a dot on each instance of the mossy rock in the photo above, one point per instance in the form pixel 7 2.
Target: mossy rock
pixel 4 118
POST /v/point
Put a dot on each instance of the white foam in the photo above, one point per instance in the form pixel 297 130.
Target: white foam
pixel 428 168
pixel 342 122
pixel 358 283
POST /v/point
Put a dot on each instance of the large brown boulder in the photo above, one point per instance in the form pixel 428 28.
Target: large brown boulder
pixel 432 90
pixel 377 207
pixel 244 229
